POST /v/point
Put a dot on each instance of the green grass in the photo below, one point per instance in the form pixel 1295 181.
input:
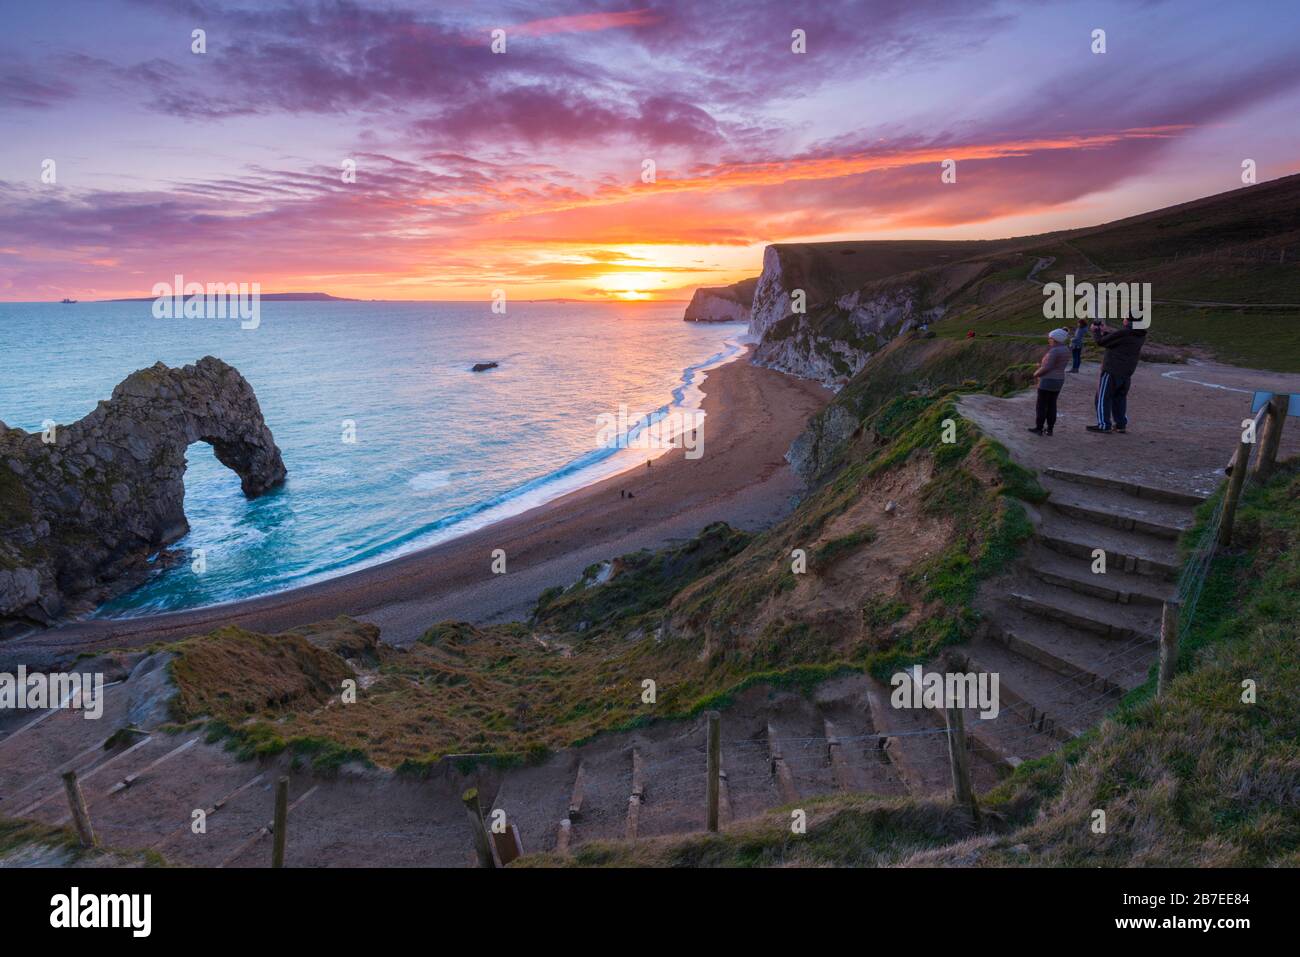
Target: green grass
pixel 645 583
pixel 51 844
pixel 1237 282
pixel 1259 339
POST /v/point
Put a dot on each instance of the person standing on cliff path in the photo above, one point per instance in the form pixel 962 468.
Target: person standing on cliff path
pixel 1076 344
pixel 1050 376
pixel 1123 347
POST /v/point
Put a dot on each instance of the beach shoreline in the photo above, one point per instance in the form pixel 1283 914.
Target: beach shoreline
pixel 752 416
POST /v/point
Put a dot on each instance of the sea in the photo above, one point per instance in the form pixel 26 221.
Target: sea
pixel 391 443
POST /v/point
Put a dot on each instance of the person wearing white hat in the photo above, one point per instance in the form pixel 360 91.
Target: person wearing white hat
pixel 1050 376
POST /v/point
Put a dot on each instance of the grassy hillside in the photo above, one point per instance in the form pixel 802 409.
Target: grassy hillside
pixel 909 364
pixel 1198 778
pixel 1240 248
pixel 826 270
pixel 1214 266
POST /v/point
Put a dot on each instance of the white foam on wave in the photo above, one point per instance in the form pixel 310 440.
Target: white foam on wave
pixel 430 481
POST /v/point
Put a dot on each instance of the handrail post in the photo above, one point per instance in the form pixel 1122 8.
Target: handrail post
pixel 77 802
pixel 1235 481
pixel 474 812
pixel 959 759
pixel 281 826
pixel 1271 439
pixel 714 770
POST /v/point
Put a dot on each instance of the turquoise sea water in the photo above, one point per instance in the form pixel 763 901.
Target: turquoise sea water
pixel 439 450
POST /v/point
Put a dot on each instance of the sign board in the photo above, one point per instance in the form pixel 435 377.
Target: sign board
pixel 1262 397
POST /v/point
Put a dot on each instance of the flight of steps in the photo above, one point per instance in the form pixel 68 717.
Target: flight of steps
pixel 778 747
pixel 1066 642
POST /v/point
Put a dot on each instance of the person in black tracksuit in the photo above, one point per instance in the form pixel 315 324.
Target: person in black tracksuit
pixel 1123 346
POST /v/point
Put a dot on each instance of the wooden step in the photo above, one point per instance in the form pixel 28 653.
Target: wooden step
pixel 1039 707
pixel 1103 505
pixel 1125 550
pixel 902 748
pixel 1051 704
pixel 1109 620
pixel 981 738
pixel 1135 489
pixel 1116 585
pixel 1090 660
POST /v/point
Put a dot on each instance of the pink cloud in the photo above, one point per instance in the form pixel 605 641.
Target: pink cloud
pixel 585 23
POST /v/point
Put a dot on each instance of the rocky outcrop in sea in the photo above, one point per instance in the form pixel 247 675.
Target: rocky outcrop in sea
pixel 85 507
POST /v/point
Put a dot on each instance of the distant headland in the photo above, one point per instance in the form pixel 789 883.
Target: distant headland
pixel 265 297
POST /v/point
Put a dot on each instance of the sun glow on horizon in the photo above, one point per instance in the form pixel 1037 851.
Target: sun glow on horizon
pixel 460 178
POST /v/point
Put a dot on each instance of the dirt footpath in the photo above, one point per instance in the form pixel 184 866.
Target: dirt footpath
pixel 1184 424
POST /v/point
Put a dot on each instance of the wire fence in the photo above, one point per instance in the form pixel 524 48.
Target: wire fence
pixel 1196 569
pixel 1191 581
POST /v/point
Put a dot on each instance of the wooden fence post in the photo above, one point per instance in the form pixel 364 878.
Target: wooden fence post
pixel 1235 481
pixel 475 815
pixel 712 719
pixel 1271 440
pixel 959 757
pixel 508 844
pixel 1168 646
pixel 80 816
pixel 281 826
pixel 785 785
pixel 637 796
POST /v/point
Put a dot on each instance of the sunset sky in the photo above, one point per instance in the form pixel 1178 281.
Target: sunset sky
pixel 523 170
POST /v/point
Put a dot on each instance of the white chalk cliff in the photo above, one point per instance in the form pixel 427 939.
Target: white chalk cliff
pixel 857 296
pixel 722 303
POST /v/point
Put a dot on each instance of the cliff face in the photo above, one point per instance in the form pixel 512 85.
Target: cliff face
pixel 81 515
pixel 857 298
pixel 834 341
pixel 909 363
pixel 771 297
pixel 722 303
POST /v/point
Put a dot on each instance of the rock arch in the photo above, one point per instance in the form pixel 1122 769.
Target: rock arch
pixel 80 516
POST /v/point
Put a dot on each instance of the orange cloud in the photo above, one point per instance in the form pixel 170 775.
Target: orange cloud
pixel 731 176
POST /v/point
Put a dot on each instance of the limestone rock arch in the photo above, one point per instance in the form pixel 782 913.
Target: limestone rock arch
pixel 80 516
